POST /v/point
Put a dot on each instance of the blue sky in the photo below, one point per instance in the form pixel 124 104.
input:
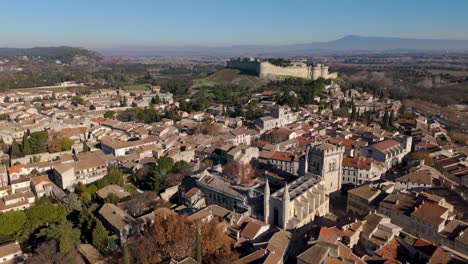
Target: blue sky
pixel 114 23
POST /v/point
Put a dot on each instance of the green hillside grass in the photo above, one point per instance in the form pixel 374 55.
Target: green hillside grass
pixel 228 77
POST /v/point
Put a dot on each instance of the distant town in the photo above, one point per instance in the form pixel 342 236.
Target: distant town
pixel 296 170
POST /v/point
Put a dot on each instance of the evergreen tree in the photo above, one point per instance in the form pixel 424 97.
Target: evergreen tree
pixel 85 147
pixel 26 145
pixel 385 120
pixel 368 118
pixel 391 119
pixel 15 150
pixel 100 236
pixel 353 113
pixel 155 100
pixel 63 233
pixel 126 254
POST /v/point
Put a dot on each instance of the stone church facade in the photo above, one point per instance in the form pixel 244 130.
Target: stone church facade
pixel 307 197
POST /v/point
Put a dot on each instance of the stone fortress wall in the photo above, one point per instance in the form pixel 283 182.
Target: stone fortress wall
pixel 265 69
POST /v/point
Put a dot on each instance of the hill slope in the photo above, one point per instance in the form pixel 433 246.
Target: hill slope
pixel 63 54
pixel 228 77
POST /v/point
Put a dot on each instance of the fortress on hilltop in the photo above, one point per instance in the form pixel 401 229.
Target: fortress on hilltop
pixel 265 69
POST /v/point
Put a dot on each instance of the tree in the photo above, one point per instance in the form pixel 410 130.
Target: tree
pixel 48 253
pixel 368 118
pixel 26 145
pixel 40 214
pixel 385 120
pixel 126 254
pixel 178 166
pixel 123 102
pixel 353 113
pixel 155 100
pixel 15 150
pixel 109 114
pixel 391 119
pixel 86 147
pixel 167 239
pixel 100 236
pixel 38 141
pixel 198 245
pixel 114 176
pixel 112 198
pixel 12 222
pixel 165 164
pixel 240 172
pixel 62 232
pixel 72 203
pixel 214 243
pixel 66 144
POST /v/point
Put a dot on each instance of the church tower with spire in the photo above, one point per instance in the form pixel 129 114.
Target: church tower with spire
pixel 286 203
pixel 266 202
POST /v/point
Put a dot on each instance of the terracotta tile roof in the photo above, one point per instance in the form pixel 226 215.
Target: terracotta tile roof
pixel 347 143
pixel 424 246
pixel 385 144
pixel 429 213
pixel 252 229
pixel 39 179
pixel 285 156
pixel 391 250
pixel 192 192
pixel 15 168
pixel 73 131
pixel 330 234
pixel 419 176
pixel 267 93
pixel 444 256
pixel 357 162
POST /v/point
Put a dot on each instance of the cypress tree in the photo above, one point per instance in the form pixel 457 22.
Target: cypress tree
pixel 15 150
pixel 385 120
pixel 353 113
pixel 126 254
pixel 391 120
pixel 26 145
pixel 85 147
pixel 369 118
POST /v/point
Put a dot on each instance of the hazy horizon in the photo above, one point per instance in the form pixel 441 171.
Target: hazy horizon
pixel 209 23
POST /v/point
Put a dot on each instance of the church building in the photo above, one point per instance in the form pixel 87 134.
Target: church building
pixel 307 197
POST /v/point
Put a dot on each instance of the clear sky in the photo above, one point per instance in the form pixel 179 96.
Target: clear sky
pixel 114 23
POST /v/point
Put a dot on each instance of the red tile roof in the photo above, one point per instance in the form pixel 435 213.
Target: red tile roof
pixel 357 162
pixel 429 213
pixel 385 144
pixel 284 156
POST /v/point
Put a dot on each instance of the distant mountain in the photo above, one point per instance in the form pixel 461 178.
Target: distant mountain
pixel 63 54
pixel 346 44
pixel 390 43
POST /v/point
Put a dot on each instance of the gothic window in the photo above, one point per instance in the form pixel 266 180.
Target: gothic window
pixel 275 216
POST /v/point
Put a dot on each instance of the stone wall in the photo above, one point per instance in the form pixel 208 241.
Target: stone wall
pixel 299 70
pixel 265 69
pixel 247 66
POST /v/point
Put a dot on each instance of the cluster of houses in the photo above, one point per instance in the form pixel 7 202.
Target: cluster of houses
pixel 371 196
